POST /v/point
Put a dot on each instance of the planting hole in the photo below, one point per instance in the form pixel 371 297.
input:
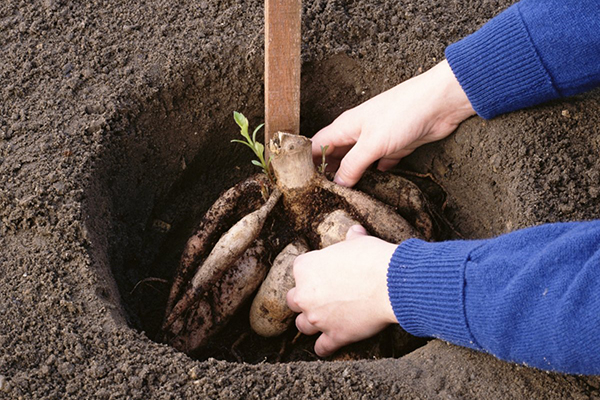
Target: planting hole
pixel 163 165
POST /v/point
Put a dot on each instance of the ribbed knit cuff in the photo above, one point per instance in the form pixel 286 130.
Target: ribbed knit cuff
pixel 499 68
pixel 426 288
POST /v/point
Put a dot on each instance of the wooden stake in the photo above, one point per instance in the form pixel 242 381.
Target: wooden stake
pixel 282 67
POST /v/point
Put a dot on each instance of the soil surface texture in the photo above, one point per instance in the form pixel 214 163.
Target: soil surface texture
pixel 115 124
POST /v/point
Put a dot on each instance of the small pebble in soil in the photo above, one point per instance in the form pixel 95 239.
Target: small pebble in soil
pixel 194 373
pixel 97 125
pixel 67 68
pixel 3 384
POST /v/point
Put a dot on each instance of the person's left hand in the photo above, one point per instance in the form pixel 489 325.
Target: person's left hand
pixel 342 291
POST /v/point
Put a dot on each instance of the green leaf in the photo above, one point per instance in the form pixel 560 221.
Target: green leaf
pixel 243 123
pixel 259 148
pixel 255 131
pixel 244 133
pixel 240 120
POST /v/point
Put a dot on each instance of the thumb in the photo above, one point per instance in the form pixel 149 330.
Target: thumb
pixel 353 165
pixel 355 232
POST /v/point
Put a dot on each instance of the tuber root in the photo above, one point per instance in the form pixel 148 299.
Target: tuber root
pixel 212 312
pixel 224 212
pixel 227 250
pixel 410 201
pixel 401 194
pixel 334 227
pixel 378 217
pixel 269 315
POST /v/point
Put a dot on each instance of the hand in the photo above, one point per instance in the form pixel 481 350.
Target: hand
pixel 391 125
pixel 342 291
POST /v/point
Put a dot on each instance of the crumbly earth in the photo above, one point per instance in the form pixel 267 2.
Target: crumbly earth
pixel 114 112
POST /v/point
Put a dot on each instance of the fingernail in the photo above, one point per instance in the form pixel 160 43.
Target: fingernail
pixel 339 180
pixel 357 228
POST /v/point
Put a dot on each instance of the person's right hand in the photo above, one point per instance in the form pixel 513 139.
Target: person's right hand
pixel 392 124
pixel 342 292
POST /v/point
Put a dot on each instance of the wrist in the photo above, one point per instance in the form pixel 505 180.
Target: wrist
pixel 453 105
pixel 388 314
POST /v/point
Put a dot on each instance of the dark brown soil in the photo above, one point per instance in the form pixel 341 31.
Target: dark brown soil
pixel 115 123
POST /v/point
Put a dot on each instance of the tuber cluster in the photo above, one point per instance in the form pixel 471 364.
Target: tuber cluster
pixel 227 259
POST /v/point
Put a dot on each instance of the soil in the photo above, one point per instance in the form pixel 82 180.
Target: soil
pixel 115 124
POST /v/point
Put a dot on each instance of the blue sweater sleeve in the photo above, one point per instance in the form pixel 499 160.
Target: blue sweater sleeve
pixel 533 52
pixel 531 296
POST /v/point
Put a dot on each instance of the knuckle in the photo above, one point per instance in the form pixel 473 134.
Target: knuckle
pixel 298 260
pixel 338 336
pixel 334 336
pixel 299 263
pixel 346 115
pixel 299 300
pixel 313 318
pixel 296 298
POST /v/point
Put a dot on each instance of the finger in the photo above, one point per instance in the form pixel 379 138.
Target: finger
pixel 325 346
pixel 354 165
pixel 331 137
pixel 291 302
pixel 356 231
pixel 342 132
pixel 338 152
pixel 304 326
pixel 387 163
pixel 323 138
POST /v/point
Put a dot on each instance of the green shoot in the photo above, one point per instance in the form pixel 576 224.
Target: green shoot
pixel 323 158
pixel 257 148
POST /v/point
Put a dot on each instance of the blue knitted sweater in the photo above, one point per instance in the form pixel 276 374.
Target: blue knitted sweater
pixel 535 51
pixel 530 296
